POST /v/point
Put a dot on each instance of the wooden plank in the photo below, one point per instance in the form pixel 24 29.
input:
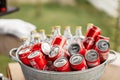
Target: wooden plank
pixel 7 42
pixel 112 72
pixel 14 72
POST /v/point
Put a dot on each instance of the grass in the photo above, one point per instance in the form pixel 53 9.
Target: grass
pixel 4 63
pixel 51 15
pixel 46 16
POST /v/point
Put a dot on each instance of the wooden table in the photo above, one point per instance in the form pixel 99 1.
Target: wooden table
pixel 14 71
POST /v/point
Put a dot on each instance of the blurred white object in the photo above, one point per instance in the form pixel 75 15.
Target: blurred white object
pixel 108 6
pixel 16 27
pixel 1 76
pixel 117 60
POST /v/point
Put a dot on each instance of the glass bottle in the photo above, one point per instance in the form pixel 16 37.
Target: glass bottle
pixel 78 34
pixel 42 35
pixel 68 35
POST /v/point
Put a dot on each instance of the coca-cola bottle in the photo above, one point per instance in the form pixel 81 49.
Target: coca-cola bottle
pixel 33 34
pixel 43 37
pixel 55 32
pixel 36 43
pixel 68 35
pixel 48 38
pixel 78 37
pixel 26 42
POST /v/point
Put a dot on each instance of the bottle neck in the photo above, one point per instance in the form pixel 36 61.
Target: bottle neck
pixel 67 33
pixel 78 32
pixel 33 35
pixel 43 36
pixel 78 35
pixel 25 41
pixel 57 32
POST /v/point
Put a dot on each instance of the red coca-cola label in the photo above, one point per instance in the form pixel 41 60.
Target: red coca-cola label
pixel 61 64
pixel 78 62
pixel 37 60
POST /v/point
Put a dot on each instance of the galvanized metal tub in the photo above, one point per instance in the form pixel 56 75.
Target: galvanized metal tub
pixel 34 74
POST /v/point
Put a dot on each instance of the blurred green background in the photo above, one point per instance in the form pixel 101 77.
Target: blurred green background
pixel 45 16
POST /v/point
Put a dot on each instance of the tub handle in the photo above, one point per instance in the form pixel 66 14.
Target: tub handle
pixel 111 59
pixel 13 53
